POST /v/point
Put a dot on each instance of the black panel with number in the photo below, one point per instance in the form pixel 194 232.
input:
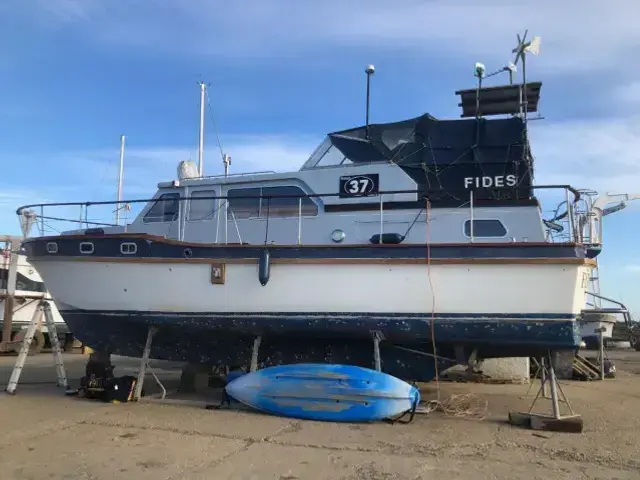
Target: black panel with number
pixel 359 185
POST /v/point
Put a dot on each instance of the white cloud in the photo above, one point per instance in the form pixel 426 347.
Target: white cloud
pixel 594 35
pixel 11 197
pixel 91 175
pixel 597 154
pixel 628 94
pixel 145 167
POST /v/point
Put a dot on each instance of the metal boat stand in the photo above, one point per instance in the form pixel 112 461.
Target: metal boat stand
pixel 254 354
pixel 377 338
pixel 541 373
pixel 255 350
pixel 43 309
pixel 161 398
pixel 142 371
pixel 557 422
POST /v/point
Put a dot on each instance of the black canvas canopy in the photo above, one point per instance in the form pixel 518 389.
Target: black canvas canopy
pixel 446 158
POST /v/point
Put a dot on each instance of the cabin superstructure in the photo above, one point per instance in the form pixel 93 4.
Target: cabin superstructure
pixel 354 179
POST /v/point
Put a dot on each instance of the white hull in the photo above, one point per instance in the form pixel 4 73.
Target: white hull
pixel 186 287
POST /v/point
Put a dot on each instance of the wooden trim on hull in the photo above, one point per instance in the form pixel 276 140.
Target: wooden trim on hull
pixel 334 261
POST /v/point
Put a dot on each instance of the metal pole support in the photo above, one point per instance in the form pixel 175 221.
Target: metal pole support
pixel 144 363
pixel 553 383
pixel 601 351
pixel 377 362
pixel 254 354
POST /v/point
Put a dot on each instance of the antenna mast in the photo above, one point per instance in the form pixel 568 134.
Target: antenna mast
pixel 370 70
pixel 521 51
pixel 120 172
pixel 201 138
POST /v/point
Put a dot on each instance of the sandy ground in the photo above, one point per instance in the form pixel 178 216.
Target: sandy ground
pixel 48 435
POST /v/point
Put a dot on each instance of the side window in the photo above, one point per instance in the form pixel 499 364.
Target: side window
pixel 165 209
pixel 485 228
pixel 201 207
pixel 287 206
pixel 26 284
pixel 244 207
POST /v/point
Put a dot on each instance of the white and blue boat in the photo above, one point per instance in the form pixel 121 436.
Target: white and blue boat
pixel 417 234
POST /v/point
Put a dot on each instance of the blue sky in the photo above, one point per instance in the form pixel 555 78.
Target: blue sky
pixel 75 74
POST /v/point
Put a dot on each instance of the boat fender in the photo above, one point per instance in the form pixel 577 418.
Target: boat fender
pixel 387 238
pixel 264 267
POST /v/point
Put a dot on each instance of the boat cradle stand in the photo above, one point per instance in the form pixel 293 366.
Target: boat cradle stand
pixel 556 422
pixel 377 337
pixel 162 396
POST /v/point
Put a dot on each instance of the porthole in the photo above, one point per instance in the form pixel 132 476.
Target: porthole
pixel 128 248
pixel 86 248
pixel 188 253
pixel 52 247
pixel 338 236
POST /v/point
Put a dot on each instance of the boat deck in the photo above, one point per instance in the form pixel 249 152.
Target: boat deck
pixel 47 435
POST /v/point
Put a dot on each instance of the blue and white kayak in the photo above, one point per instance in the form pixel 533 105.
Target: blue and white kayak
pixel 341 393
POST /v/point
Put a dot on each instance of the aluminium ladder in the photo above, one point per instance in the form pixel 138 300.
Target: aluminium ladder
pixel 44 308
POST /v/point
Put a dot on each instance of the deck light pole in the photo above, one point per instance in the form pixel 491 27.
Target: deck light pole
pixel 370 70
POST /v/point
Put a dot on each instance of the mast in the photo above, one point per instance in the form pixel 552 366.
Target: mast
pixel 120 172
pixel 201 142
pixel 370 70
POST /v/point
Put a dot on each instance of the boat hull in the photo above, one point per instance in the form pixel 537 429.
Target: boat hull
pixel 322 303
pixel 545 290
pixel 207 339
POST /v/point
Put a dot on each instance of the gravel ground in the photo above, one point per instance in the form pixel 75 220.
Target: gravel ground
pixel 49 436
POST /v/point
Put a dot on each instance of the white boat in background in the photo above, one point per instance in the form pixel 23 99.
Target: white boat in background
pixel 601 313
pixel 29 291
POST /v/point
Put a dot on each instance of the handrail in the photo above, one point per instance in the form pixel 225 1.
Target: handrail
pixel 258 172
pixel 468 198
pixel 602 297
pixel 626 315
pixel 424 194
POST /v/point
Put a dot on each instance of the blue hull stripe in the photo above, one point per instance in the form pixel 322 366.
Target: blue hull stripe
pixel 108 246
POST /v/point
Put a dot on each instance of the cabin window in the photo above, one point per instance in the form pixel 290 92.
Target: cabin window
pixel 485 228
pixel 23 282
pixel 201 206
pixel 286 206
pixel 128 248
pixel 86 248
pixel 165 209
pixel 397 137
pixel 333 156
pixel 244 202
pixel 52 247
